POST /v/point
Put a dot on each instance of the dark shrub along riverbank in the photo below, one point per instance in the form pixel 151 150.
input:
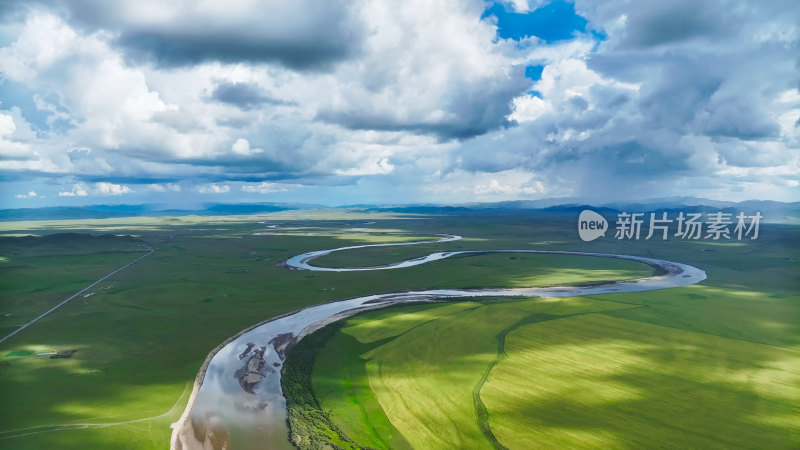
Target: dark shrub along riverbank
pixel 310 427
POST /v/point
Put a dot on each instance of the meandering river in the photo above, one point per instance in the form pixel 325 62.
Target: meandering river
pixel 237 401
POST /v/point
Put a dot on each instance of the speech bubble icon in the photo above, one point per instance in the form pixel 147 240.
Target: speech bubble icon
pixel 591 225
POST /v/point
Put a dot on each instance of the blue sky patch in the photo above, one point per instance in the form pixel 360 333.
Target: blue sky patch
pixel 17 94
pixel 556 21
pixel 535 94
pixel 534 72
pixel 13 94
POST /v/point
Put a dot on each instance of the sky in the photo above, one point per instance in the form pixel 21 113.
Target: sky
pixel 341 102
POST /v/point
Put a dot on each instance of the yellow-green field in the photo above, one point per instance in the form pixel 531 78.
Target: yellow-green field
pixel 714 365
pixel 602 382
pixel 552 373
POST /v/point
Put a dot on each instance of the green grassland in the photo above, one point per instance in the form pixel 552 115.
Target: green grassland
pixel 714 365
pixel 26 294
pixel 520 270
pixel 141 340
pixel 567 374
pixel 415 368
pixel 143 334
pixel 603 382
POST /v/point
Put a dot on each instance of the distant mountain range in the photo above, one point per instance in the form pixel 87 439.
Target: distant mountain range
pixel 110 211
pixel 772 211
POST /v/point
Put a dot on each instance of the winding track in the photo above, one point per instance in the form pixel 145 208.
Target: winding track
pixel 218 404
pixel 67 300
pixel 38 429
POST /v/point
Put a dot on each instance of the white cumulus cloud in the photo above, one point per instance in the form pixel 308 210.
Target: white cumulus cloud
pixel 105 188
pixel 171 187
pixel 78 190
pixel 213 188
pixel 264 187
pixel 242 147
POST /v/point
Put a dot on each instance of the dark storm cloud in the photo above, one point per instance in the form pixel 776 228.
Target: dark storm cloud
pixel 701 93
pixel 169 49
pixel 470 110
pixel 443 130
pixel 669 22
pixel 243 95
pixel 637 159
pixel 739 153
pixel 738 118
pixel 617 162
pixel 633 142
pixel 709 69
pixel 649 25
pixel 677 91
pixel 299 34
pixel 618 149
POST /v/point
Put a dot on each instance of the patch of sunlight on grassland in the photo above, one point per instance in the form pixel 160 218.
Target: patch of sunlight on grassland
pixel 116 431
pixel 424 377
pixel 389 323
pixel 598 381
pixel 151 400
